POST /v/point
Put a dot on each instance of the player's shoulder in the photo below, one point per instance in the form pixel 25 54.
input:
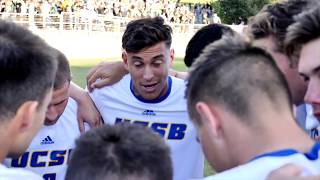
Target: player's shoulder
pixel 178 87
pixel 17 174
pixel 69 115
pixel 178 82
pixel 260 168
pixel 119 87
pixel 70 110
pixel 72 104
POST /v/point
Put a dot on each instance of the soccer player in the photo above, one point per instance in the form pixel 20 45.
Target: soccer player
pixel 49 150
pixel 302 44
pixel 206 35
pixel 27 70
pixel 243 113
pixel 149 97
pixel 123 151
pixel 268 29
pixel 109 73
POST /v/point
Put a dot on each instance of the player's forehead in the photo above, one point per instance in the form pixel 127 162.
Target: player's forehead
pixel 309 61
pixel 159 50
pixel 60 93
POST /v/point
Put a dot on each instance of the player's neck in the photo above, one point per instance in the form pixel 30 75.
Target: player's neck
pixel 283 137
pixel 280 133
pixel 3 149
pixel 7 139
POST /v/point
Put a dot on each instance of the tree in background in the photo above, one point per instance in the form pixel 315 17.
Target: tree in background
pixel 238 11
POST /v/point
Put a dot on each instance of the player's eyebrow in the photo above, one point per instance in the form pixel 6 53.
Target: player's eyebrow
pixel 315 70
pixel 60 102
pixel 158 56
pixel 135 58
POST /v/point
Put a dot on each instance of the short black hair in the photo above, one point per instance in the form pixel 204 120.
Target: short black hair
pixel 233 73
pixel 123 151
pixel 27 68
pixel 206 35
pixel 63 72
pixel 144 33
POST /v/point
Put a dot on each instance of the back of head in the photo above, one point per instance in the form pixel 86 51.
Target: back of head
pixel 120 152
pixel 143 33
pixel 237 76
pixel 63 71
pixel 27 68
pixel 274 19
pixel 305 30
pixel 206 35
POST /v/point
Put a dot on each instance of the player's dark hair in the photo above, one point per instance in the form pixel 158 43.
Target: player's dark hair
pixel 234 74
pixel 27 68
pixel 274 19
pixel 123 151
pixel 305 30
pixel 202 38
pixel 63 72
pixel 143 33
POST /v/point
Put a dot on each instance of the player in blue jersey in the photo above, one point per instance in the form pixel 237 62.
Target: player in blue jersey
pixel 27 70
pixel 123 151
pixel 243 113
pixel 49 150
pixel 150 97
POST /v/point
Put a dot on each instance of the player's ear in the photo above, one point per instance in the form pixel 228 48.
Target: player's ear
pixel 125 59
pixel 171 57
pixel 25 116
pixel 209 117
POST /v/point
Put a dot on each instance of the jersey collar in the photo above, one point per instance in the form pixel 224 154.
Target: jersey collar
pixel 157 100
pixel 313 154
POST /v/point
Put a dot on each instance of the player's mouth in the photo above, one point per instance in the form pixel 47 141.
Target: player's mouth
pixel 149 88
pixel 49 122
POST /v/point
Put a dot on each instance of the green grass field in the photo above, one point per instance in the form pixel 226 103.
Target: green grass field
pixel 80 70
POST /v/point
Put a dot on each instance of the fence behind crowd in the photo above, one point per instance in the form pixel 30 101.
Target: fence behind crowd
pixel 90 35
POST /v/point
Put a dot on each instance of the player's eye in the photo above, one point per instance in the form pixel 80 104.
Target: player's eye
pixel 138 64
pixel 157 63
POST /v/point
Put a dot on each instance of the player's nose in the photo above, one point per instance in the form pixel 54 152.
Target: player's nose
pixel 312 95
pixel 148 74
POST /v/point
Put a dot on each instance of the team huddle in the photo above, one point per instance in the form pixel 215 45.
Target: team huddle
pixel 249 104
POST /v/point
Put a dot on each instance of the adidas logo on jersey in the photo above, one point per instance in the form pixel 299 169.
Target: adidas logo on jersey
pixel 148 113
pixel 47 140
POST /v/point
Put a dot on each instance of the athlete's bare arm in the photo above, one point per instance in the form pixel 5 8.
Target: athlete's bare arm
pixel 108 73
pixel 87 112
pixel 104 74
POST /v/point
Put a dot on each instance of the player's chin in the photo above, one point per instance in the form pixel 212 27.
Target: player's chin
pixel 49 122
pixel 150 96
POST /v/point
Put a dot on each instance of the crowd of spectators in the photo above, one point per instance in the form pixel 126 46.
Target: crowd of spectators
pixel 171 11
